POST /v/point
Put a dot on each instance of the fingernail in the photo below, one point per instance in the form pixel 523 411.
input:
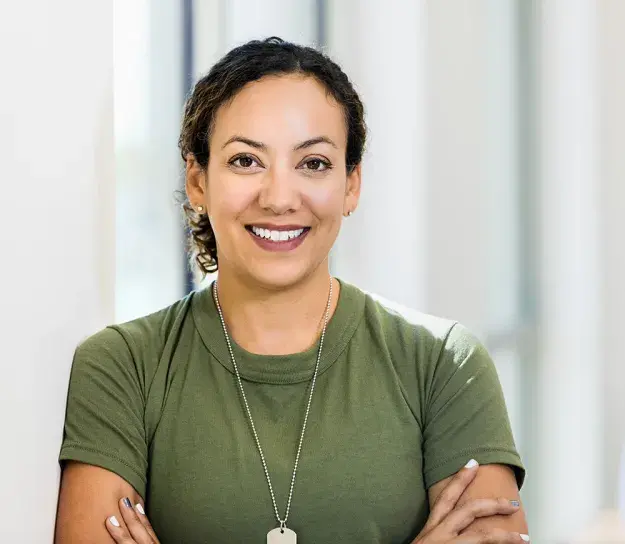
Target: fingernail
pixel 516 504
pixel 472 463
pixel 140 509
pixel 526 538
pixel 127 502
pixel 114 521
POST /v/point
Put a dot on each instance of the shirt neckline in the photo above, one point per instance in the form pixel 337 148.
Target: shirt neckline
pixel 279 369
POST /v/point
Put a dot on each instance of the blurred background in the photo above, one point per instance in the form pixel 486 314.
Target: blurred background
pixel 494 194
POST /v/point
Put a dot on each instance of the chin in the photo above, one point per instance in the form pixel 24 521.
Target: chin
pixel 280 276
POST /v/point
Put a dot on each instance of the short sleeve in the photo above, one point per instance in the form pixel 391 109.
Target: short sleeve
pixel 466 415
pixel 104 420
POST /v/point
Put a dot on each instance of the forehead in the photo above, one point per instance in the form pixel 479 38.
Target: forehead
pixel 280 110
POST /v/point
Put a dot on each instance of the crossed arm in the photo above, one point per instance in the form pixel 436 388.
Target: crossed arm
pixel 490 482
pixel 90 495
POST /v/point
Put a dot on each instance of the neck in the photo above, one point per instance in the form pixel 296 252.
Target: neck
pixel 270 321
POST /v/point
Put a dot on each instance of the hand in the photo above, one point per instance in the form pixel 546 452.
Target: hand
pixel 135 529
pixel 447 520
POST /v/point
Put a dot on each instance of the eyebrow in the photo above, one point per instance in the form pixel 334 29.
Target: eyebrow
pixel 263 147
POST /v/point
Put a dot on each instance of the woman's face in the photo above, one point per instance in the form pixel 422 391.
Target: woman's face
pixel 276 186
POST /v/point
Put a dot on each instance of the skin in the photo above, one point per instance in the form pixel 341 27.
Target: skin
pixel 273 302
pixel 491 481
pixel 88 496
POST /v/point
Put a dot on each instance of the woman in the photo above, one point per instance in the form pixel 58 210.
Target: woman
pixel 279 400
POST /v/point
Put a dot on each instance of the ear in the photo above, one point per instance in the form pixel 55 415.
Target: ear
pixel 195 182
pixel 352 189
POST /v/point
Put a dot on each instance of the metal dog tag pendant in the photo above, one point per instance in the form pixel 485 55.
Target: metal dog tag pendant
pixel 281 536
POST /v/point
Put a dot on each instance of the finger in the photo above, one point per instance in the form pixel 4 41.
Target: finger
pixel 117 531
pixel 448 499
pixel 136 529
pixel 145 521
pixel 464 516
pixel 496 536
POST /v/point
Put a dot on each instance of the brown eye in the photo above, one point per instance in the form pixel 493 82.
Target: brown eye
pixel 244 162
pixel 317 165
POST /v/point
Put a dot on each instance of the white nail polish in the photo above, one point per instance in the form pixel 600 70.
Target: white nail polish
pixel 526 538
pixel 140 509
pixel 114 521
pixel 472 463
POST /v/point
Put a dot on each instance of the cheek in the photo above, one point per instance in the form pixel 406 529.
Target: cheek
pixel 229 199
pixel 325 202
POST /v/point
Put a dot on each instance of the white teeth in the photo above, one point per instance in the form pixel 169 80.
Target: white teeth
pixel 277 235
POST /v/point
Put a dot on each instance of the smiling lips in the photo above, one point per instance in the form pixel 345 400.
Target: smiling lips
pixel 278 238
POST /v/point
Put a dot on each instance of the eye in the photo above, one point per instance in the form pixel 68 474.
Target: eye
pixel 317 165
pixel 245 162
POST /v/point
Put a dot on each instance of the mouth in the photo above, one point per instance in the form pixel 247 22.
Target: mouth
pixel 278 238
pixel 277 235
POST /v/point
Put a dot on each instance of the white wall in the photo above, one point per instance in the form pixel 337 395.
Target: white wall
pixel 148 103
pixel 382 246
pixel 611 41
pixel 56 234
pixel 569 434
pixel 253 19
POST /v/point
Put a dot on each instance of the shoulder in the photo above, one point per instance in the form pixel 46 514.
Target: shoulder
pixel 400 323
pixel 420 344
pixel 154 329
pixel 136 341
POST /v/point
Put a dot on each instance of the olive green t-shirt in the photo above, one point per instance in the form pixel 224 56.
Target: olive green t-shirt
pixel 397 407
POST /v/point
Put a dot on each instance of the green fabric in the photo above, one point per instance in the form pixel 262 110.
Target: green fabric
pixel 397 407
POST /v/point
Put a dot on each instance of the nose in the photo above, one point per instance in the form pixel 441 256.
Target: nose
pixel 279 191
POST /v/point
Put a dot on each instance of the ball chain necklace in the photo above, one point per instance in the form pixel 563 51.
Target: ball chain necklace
pixel 281 534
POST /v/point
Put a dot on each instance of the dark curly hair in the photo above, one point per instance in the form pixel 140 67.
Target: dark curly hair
pixel 244 64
